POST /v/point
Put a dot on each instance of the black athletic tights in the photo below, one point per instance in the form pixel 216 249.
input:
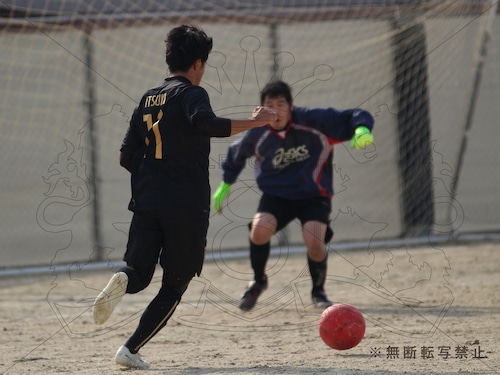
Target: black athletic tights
pixel 160 309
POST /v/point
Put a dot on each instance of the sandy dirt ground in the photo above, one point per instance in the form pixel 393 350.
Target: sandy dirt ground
pixel 428 310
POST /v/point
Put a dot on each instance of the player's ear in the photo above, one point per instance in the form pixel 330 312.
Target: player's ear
pixel 291 106
pixel 198 64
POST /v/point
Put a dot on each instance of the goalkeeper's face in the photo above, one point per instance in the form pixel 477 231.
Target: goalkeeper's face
pixel 283 109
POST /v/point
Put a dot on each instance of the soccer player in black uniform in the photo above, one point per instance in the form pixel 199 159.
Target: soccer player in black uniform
pixel 166 148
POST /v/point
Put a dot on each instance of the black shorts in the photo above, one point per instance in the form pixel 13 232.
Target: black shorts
pixel 178 244
pixel 285 210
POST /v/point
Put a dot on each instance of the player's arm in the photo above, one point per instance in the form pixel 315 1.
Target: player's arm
pixel 341 125
pixel 233 164
pixel 224 127
pixel 126 160
pixel 131 143
pixel 260 116
pixel 197 108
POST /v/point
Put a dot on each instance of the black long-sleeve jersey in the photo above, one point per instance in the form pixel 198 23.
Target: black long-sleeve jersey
pixel 168 141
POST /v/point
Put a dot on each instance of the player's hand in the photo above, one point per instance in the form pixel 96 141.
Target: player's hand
pixel 219 195
pixel 362 138
pixel 264 114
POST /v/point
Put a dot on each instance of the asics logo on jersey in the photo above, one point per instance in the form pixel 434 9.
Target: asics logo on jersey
pixel 283 158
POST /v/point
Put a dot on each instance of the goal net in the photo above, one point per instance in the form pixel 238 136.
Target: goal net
pixel 71 74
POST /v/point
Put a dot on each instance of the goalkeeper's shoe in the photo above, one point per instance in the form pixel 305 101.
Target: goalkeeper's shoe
pixel 111 295
pixel 320 299
pixel 123 357
pixel 252 293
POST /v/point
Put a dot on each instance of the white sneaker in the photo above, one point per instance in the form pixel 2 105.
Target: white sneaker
pixel 107 300
pixel 123 357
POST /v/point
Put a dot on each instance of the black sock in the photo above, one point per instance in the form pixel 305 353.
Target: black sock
pixel 138 277
pixel 154 318
pixel 258 258
pixel 318 273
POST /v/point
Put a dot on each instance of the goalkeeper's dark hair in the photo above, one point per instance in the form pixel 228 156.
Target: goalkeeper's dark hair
pixel 274 89
pixel 184 45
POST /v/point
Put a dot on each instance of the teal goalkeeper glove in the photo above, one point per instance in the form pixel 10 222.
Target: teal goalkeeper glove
pixel 219 195
pixel 362 138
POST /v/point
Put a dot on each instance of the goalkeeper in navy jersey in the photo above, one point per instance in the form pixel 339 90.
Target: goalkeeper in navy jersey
pixel 294 171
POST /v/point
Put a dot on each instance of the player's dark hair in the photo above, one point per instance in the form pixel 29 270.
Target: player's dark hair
pixel 184 45
pixel 274 89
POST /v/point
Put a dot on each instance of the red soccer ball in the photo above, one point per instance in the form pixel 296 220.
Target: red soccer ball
pixel 341 326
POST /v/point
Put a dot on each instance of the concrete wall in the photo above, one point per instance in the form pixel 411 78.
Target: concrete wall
pixel 46 212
